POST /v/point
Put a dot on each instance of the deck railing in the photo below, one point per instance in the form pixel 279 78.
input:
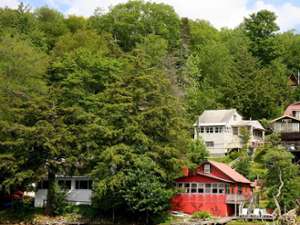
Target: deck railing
pixel 235 198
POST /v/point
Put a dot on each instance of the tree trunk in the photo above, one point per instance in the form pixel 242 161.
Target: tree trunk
pixel 50 206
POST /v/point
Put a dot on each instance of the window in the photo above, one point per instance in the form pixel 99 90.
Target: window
pixel 235 131
pixel 43 185
pixel 207 188
pixel 187 187
pixel 193 188
pixel 200 188
pixel 206 129
pixel 83 184
pixel 214 188
pixel 221 188
pixel 209 144
pixel 227 187
pixel 211 129
pixel 65 184
pixel 218 129
pixel 201 129
pixel 207 168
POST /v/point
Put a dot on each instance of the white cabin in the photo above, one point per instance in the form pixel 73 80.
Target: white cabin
pixel 78 190
pixel 220 130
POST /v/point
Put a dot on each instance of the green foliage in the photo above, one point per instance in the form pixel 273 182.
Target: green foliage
pixel 144 193
pixel 280 167
pixel 76 23
pixel 22 68
pixel 261 28
pixel 201 215
pixel 51 23
pixel 59 204
pixel 131 21
pixel 243 164
pixel 197 153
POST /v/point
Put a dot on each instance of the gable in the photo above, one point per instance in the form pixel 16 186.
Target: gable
pixel 285 119
pixel 214 172
pixel 223 171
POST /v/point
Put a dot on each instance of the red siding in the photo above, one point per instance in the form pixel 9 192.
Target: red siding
pixel 189 203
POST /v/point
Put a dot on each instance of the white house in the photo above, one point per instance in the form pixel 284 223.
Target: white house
pixel 77 188
pixel 220 130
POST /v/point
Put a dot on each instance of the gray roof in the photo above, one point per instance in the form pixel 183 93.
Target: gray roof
pixel 216 116
pixel 253 123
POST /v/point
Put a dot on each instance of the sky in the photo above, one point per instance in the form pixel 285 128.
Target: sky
pixel 220 13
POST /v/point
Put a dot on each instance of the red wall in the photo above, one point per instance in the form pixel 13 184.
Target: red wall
pixel 189 203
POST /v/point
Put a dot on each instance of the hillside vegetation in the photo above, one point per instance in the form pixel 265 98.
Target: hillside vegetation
pixel 115 95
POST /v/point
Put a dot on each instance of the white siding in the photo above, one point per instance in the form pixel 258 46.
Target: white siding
pixel 76 196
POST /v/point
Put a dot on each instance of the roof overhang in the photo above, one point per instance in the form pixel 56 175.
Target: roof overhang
pixel 209 124
pixel 284 116
pixel 214 177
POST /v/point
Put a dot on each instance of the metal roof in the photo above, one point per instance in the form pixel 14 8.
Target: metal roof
pixel 227 170
pixel 216 116
pixel 253 123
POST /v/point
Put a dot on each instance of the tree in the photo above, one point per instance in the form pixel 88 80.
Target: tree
pixel 260 28
pixel 197 153
pixel 147 137
pixel 281 177
pixel 131 21
pixel 22 67
pixel 52 23
pixel 145 193
pixel 243 163
pixel 76 23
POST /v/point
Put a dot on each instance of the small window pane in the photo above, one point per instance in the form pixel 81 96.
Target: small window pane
pixel 235 131
pixel 81 184
pixel 193 188
pixel 200 190
pixel 207 188
pixel 215 188
pixel 207 168
pixel 221 188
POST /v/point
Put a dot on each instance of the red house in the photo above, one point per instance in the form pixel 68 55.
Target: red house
pixel 213 187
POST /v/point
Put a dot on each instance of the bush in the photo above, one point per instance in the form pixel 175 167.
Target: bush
pixel 201 215
pixel 60 200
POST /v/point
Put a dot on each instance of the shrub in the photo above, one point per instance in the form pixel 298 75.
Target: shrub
pixel 201 215
pixel 60 200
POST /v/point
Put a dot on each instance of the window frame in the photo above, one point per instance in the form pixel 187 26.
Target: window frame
pixel 207 168
pixel 78 184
